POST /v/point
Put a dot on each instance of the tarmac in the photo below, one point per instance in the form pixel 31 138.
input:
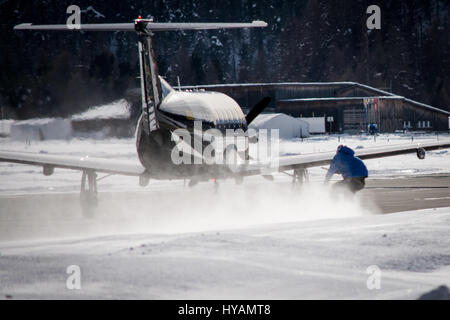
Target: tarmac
pixel 408 193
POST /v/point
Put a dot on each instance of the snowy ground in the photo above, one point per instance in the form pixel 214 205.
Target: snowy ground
pixel 190 243
pixel 321 259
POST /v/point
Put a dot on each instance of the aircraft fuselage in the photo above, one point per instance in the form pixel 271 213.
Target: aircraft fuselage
pixel 180 110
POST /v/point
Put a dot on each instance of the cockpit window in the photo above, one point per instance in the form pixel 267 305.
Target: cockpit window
pixel 165 87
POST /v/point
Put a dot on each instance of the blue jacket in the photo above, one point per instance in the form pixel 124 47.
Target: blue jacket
pixel 345 163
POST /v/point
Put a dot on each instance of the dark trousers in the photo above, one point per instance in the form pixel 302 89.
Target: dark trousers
pixel 353 184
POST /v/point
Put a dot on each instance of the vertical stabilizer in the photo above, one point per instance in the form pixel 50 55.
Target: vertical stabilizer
pixel 150 85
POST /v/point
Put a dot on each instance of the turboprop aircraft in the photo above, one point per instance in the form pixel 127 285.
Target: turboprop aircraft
pixel 166 111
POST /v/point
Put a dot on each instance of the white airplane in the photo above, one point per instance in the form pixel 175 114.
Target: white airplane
pixel 164 110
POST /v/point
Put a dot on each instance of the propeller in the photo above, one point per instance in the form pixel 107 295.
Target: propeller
pixel 257 109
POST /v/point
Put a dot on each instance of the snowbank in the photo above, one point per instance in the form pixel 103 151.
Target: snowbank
pixel 5 127
pixel 100 122
pixel 119 109
pixel 41 129
pixel 289 127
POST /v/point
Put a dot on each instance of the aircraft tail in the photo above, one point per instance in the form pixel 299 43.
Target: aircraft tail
pixel 150 83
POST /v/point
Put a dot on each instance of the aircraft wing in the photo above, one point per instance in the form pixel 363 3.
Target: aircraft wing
pixel 303 161
pixel 284 163
pixel 124 167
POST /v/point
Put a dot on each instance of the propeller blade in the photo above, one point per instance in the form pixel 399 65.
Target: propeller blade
pixel 257 109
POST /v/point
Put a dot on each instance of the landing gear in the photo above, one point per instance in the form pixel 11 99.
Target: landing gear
pixel 144 179
pixel 299 177
pixel 88 197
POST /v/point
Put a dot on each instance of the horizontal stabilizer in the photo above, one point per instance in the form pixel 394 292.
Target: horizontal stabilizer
pixel 82 27
pixel 155 26
pixel 140 25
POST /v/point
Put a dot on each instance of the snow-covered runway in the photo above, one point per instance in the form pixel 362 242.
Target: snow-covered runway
pixel 324 259
pixel 259 240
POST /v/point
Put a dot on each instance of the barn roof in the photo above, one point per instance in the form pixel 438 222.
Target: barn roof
pixel 358 90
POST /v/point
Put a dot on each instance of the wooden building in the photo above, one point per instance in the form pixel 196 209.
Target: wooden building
pixel 351 106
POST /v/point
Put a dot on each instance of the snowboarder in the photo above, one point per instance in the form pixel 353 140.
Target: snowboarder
pixel 352 169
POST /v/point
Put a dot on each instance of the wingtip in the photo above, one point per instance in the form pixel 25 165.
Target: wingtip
pixel 22 26
pixel 260 23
